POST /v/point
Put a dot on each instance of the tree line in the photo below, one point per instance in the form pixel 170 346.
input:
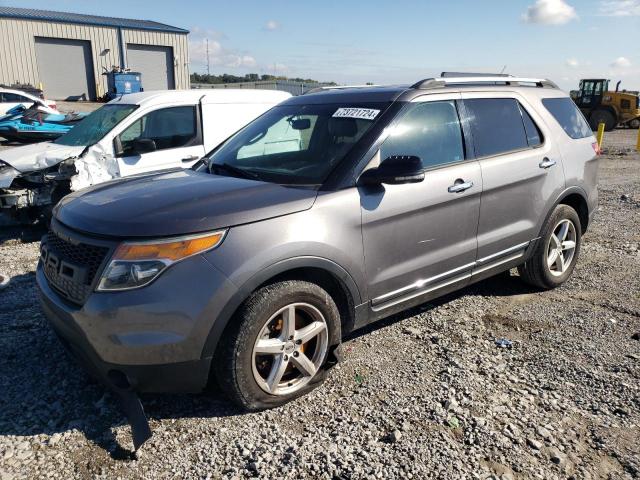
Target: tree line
pixel 249 77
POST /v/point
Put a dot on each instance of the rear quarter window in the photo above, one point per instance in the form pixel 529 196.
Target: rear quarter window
pixel 568 116
pixel 496 125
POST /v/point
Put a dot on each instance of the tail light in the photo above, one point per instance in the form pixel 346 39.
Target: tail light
pixel 596 148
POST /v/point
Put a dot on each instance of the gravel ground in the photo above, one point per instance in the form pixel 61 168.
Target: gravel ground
pixel 426 394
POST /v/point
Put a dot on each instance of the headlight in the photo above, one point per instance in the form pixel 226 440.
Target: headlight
pixel 135 264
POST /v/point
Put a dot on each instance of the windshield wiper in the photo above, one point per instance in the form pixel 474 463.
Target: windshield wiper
pixel 235 170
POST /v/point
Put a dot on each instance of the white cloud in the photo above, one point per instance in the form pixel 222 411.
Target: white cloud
pixel 272 25
pixel 219 56
pixel 550 12
pixel 278 68
pixel 573 63
pixel 621 62
pixel 620 8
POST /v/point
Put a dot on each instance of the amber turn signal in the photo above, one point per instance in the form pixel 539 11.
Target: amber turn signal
pixel 171 249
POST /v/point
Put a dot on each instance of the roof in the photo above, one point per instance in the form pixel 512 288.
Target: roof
pixel 215 95
pixel 364 93
pixel 65 17
pixel 351 95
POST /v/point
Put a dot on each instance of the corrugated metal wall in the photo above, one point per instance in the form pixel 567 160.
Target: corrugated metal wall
pixel 180 51
pixel 18 55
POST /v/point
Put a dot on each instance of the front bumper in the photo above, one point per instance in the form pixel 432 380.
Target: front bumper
pixel 146 340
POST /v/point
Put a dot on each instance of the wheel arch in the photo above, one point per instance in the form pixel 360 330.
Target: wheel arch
pixel 576 198
pixel 321 271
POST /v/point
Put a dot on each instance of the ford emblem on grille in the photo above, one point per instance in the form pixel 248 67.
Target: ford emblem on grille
pixel 70 266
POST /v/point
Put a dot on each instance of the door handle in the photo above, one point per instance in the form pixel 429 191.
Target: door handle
pixel 190 158
pixel 546 163
pixel 460 186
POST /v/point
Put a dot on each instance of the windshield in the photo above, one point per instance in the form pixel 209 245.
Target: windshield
pixel 95 126
pixel 296 144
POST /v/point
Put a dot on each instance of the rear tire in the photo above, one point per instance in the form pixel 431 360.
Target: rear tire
pixel 635 123
pixel 602 116
pixel 556 252
pixel 277 346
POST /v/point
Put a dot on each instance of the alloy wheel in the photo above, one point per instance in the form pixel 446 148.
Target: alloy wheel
pixel 290 349
pixel 561 247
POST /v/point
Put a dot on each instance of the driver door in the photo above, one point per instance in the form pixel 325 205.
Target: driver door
pixel 171 137
pixel 420 238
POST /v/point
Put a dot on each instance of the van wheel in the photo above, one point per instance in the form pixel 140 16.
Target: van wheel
pixel 556 252
pixel 278 345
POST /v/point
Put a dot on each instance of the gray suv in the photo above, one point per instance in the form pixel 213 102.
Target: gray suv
pixel 330 211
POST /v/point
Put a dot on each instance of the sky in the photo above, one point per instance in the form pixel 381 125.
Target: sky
pixel 400 41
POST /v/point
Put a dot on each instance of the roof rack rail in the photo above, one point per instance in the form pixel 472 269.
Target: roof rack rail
pixel 441 82
pixel 472 74
pixel 338 87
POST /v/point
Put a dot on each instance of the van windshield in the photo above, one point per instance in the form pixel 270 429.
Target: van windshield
pixel 96 125
pixel 295 144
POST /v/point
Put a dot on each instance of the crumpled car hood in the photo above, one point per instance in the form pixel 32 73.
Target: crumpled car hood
pixel 29 158
pixel 176 203
pixel 7 174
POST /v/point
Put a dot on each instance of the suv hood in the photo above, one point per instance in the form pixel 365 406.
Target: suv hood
pixel 177 203
pixel 37 156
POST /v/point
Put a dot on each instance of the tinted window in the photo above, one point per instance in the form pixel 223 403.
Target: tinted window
pixel 282 137
pixel 430 131
pixel 168 128
pixel 14 98
pixel 496 124
pixel 568 116
pixel 297 144
pixel 534 137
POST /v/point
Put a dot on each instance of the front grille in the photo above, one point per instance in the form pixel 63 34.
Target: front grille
pixel 71 268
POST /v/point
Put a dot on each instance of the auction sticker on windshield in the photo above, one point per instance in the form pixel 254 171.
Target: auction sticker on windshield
pixel 362 113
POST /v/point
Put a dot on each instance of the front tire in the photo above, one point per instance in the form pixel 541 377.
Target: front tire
pixel 602 116
pixel 277 346
pixel 556 252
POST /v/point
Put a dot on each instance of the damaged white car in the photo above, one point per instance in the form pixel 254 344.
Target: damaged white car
pixel 133 134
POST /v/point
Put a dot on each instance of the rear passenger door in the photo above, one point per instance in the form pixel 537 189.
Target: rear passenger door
pixel 521 174
pixel 176 134
pixel 420 238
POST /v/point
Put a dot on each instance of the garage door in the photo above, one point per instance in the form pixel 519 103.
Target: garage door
pixel 155 63
pixel 65 68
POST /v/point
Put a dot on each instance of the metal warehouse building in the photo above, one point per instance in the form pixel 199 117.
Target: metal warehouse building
pixel 67 53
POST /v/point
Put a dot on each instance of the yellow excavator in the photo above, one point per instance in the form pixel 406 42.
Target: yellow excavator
pixel 613 108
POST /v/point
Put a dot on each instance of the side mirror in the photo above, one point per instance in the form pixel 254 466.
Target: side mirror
pixel 144 145
pixel 118 151
pixel 395 170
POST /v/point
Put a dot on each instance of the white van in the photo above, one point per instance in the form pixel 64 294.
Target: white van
pixel 133 134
